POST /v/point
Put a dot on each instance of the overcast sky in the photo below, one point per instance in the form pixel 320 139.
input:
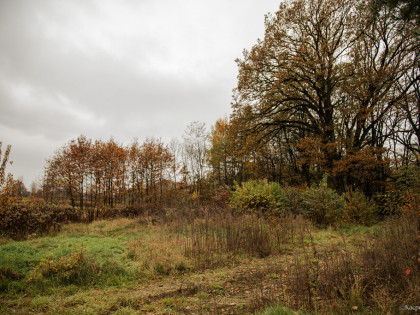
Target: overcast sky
pixel 121 68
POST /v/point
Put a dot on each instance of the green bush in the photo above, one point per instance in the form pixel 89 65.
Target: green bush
pixel 259 195
pixel 359 208
pixel 322 204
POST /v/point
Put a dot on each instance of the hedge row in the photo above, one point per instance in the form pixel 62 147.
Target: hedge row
pixel 20 220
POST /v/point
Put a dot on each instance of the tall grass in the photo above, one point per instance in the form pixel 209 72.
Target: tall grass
pixel 382 274
pixel 228 234
pixel 215 238
pixel 158 254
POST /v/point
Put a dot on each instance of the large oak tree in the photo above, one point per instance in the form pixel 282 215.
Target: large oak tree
pixel 331 71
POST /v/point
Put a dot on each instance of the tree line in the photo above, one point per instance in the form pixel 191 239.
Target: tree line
pixel 94 173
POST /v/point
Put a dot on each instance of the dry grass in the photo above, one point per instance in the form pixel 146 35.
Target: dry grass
pixel 158 253
pixel 212 239
pixel 217 239
pixel 379 275
pixel 105 227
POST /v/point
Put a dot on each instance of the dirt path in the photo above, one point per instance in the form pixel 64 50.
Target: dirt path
pixel 229 290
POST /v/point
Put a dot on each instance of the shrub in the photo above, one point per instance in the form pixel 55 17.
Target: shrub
pixel 403 189
pixel 294 199
pixel 322 204
pixel 66 268
pixel 222 196
pixel 359 208
pixel 21 219
pixel 259 196
pixel 8 196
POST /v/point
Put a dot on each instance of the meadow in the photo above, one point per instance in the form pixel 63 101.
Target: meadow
pixel 210 262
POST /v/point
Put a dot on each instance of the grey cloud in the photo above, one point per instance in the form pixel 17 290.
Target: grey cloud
pixel 76 67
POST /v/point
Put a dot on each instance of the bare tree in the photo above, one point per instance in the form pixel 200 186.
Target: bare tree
pixel 195 150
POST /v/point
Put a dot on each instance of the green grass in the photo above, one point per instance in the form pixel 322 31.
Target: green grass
pixel 282 310
pixel 102 242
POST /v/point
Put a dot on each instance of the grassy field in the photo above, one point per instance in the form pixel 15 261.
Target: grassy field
pixel 213 264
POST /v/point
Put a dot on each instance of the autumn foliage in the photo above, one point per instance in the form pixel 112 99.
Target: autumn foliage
pixel 96 175
pixel 332 89
pixel 327 102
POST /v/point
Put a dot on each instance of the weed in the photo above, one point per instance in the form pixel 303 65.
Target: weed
pixel 281 310
pixel 40 303
pixel 202 295
pixel 66 268
pixel 168 302
pixel 211 240
pixel 378 274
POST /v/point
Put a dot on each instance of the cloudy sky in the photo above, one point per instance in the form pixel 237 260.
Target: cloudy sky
pixel 121 68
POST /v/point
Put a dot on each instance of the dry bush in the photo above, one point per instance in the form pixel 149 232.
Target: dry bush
pixel 130 211
pixel 217 236
pixel 289 231
pixel 21 219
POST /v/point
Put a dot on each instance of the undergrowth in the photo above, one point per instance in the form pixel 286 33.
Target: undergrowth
pixel 378 275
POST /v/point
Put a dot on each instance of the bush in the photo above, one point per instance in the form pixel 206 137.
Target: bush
pixel 322 205
pixel 259 196
pixel 359 208
pixel 403 189
pixel 67 268
pixel 222 196
pixel 21 219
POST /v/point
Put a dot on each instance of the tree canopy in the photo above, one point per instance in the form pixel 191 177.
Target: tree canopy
pixel 330 71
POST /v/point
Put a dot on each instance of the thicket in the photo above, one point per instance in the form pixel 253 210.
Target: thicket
pixel 21 218
pixel 403 191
